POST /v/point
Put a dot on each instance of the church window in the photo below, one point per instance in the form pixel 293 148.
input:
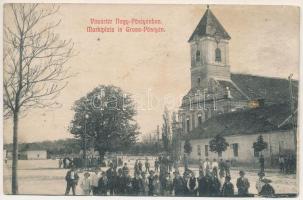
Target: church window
pixel 198 56
pixel 199 81
pixel 187 125
pixel 218 55
pixel 199 119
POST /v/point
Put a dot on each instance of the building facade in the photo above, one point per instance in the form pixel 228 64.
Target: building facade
pixel 238 106
pixel 240 149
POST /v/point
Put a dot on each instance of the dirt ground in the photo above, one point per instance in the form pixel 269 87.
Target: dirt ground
pixel 42 177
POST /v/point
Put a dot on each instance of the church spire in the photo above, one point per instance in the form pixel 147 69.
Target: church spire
pixel 209 25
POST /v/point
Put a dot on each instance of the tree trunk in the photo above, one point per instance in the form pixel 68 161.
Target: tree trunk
pixel 15 154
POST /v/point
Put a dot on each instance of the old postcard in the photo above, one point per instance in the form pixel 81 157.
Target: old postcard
pixel 151 100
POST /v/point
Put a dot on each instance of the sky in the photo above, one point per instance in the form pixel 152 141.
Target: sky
pixel 264 41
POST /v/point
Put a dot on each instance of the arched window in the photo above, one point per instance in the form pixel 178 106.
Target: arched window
pixel 187 124
pixel 218 55
pixel 198 56
pixel 199 81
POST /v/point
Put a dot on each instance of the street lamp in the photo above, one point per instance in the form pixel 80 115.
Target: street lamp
pixel 84 150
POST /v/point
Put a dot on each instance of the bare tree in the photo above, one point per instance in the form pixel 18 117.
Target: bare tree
pixel 34 64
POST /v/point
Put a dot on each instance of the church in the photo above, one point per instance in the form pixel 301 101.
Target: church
pixel 239 107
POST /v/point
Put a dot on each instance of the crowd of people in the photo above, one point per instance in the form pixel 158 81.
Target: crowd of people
pixel 67 162
pixel 163 181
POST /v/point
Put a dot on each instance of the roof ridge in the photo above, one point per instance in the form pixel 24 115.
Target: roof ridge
pixel 260 76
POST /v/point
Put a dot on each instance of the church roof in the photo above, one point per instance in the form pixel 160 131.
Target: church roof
pixel 246 87
pixel 245 122
pixel 209 25
pixel 273 90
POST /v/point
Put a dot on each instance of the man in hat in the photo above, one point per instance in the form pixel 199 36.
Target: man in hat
pixel 71 180
pixel 151 180
pixel 125 169
pixel 140 166
pixel 127 183
pixel 119 187
pixel 111 177
pixel 267 190
pixel 242 184
pixel 204 184
pixel 145 183
pixel 228 188
pixel 192 185
pixel 147 165
pixel 260 183
pixel 178 184
pixel 137 184
pixel 102 184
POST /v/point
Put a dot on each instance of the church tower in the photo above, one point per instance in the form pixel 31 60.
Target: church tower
pixel 209 52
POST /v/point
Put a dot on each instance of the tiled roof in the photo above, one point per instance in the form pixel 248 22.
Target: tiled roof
pixel 236 93
pixel 209 25
pixel 245 87
pixel 273 90
pixel 252 121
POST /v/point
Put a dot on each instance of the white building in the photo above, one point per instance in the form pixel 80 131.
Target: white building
pixel 241 129
pixel 36 154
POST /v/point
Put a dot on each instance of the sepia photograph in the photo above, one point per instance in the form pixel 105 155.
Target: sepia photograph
pixel 155 100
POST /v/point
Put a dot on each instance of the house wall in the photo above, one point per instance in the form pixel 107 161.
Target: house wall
pixel 278 142
pixel 36 155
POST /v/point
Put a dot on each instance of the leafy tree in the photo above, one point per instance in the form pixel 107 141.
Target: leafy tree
pixel 104 119
pixel 34 59
pixel 166 132
pixel 187 147
pixel 218 145
pixel 260 144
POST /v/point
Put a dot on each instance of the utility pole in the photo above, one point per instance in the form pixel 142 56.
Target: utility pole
pixel 292 110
